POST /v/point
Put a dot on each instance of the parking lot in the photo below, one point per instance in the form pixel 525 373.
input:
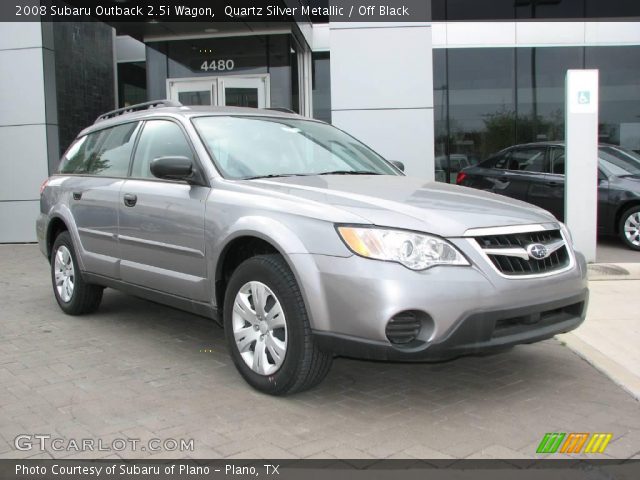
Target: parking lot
pixel 612 250
pixel 139 370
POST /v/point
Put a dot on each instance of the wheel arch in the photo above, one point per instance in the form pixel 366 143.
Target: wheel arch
pixel 621 210
pixel 56 226
pixel 240 247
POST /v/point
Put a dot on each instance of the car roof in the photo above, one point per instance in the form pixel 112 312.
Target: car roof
pixel 182 111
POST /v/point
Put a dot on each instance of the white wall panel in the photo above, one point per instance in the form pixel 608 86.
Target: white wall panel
pixel 20 35
pixel 612 33
pixel 548 33
pixel 18 220
pixel 21 86
pixel 382 89
pixel 481 34
pixel 23 137
pixel 405 135
pixel 531 34
pixel 439 35
pixel 381 68
pixel 320 37
pixel 23 166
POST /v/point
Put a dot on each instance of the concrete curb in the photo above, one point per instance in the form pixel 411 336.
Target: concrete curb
pixel 616 372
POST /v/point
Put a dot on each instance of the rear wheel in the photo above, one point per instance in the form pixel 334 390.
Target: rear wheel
pixel 74 295
pixel 629 228
pixel 268 331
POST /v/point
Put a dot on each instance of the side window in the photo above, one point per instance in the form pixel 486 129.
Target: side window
pixel 502 160
pixel 557 160
pixel 77 157
pixel 526 159
pixel 106 152
pixel 114 153
pixel 159 138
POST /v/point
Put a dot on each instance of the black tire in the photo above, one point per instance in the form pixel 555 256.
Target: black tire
pixel 86 297
pixel 623 219
pixel 304 364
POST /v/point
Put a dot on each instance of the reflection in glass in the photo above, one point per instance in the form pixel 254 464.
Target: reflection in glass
pixel 619 98
pixel 241 97
pixel 195 98
pixel 540 80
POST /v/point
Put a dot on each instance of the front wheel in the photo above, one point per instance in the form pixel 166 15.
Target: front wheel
pixel 268 331
pixel 629 228
pixel 74 295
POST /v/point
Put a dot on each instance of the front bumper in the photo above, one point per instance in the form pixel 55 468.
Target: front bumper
pixel 469 309
pixel 477 333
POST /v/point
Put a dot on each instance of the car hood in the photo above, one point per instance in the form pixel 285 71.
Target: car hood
pixel 409 202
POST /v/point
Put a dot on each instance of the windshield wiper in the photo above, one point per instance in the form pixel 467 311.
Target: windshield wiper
pixel 348 172
pixel 276 175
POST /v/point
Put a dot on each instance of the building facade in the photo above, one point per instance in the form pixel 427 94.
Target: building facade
pixel 438 95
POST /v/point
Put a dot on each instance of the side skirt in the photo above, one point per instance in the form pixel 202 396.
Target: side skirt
pixel 181 303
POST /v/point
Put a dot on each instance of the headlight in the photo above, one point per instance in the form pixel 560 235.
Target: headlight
pixel 416 251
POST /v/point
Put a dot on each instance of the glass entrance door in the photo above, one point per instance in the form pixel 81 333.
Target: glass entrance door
pixel 234 91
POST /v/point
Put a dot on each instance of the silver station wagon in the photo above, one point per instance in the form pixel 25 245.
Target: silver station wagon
pixel 301 241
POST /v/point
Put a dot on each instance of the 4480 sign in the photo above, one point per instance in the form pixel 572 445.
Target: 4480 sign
pixel 217 65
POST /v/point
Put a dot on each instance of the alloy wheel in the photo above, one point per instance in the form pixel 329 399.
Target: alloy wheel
pixel 632 229
pixel 64 273
pixel 259 328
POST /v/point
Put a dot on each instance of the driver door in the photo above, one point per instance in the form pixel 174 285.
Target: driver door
pixel 161 232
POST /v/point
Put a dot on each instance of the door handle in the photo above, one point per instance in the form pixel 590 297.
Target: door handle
pixel 553 184
pixel 77 195
pixel 130 199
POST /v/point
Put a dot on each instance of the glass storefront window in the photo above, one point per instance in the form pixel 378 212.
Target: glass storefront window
pixel 321 86
pixel 619 107
pixel 540 77
pixel 489 99
pixel 481 101
pixel 132 83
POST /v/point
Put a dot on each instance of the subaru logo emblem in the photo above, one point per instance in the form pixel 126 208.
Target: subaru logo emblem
pixel 537 251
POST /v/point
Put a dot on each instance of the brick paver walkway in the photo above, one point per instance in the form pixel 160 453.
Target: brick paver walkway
pixel 140 370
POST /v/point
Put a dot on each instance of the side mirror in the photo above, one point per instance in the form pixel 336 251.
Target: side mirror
pixel 172 168
pixel 399 165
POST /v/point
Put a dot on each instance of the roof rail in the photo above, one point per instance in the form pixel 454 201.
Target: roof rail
pixel 138 107
pixel 281 109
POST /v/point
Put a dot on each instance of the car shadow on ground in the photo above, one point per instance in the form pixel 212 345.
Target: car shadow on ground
pixel 438 384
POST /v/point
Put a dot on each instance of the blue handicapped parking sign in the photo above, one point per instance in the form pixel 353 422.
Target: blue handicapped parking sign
pixel 584 97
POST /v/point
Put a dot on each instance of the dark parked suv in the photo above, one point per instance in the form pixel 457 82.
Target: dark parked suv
pixel 534 172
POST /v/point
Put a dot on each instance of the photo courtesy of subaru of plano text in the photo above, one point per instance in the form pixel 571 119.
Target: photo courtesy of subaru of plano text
pixel 301 241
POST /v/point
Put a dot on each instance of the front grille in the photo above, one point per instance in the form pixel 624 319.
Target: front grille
pixel 509 264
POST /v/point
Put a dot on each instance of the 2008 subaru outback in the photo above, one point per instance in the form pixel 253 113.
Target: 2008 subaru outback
pixel 303 241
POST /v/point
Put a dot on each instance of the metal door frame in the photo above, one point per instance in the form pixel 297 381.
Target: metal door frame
pixel 217 85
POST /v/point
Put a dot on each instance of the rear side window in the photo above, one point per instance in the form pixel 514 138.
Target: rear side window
pixel 527 160
pixel 556 157
pixel 106 152
pixel 159 138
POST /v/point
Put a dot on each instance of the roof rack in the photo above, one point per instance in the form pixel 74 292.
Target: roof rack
pixel 138 107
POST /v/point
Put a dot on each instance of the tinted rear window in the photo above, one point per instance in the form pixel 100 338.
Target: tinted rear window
pixel 106 152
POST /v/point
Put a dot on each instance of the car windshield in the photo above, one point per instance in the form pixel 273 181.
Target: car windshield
pixel 259 147
pixel 619 162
